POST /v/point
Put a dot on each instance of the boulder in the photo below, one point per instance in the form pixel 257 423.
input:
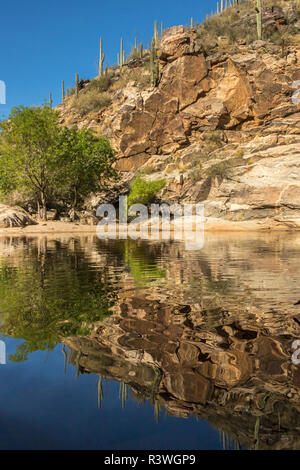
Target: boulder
pixel 14 217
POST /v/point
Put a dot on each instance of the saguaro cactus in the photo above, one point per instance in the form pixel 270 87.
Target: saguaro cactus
pixel 121 56
pixel 101 59
pixel 259 19
pixel 192 23
pixel 63 90
pixel 50 100
pixel 154 65
pixel 77 84
pixel 156 34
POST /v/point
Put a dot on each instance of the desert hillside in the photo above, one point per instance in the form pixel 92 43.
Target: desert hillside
pixel 216 112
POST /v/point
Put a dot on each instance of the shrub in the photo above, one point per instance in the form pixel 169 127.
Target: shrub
pixel 147 170
pixel 213 138
pixel 239 153
pixel 143 191
pixel 88 102
pixel 196 175
pixel 220 170
pixel 100 84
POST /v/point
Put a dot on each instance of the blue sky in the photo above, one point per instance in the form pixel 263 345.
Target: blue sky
pixel 43 42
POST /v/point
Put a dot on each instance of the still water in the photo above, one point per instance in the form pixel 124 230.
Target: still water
pixel 139 345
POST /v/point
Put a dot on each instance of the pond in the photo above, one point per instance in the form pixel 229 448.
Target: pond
pixel 146 345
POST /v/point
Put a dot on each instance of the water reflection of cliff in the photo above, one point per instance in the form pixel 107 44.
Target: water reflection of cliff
pixel 236 375
pixel 213 340
pixel 206 334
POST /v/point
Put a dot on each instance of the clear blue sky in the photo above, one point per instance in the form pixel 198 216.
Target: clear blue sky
pixel 43 42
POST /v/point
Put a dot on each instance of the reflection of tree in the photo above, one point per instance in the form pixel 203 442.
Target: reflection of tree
pixel 50 296
pixel 140 258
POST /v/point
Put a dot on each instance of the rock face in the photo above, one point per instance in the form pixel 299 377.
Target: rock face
pixel 14 217
pixel 242 90
pixel 247 95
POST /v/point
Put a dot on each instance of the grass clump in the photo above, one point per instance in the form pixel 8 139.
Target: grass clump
pixel 147 170
pixel 220 170
pixel 100 84
pixel 239 153
pixel 196 175
pixel 89 101
pixel 213 138
pixel 143 191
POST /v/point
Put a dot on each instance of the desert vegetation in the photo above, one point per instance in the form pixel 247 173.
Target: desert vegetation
pixel 143 191
pixel 48 163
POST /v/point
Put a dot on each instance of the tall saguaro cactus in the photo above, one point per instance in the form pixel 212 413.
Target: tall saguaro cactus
pixel 101 59
pixel 154 65
pixel 156 34
pixel 259 19
pixel 63 90
pixel 50 100
pixel 77 84
pixel 121 56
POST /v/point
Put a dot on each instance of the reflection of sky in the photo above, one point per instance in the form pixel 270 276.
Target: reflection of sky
pixel 40 408
pixel 2 352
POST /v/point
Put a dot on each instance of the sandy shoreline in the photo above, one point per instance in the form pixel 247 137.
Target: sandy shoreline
pixel 216 225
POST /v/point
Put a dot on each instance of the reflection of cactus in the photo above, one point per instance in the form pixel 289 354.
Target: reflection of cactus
pixel 63 90
pixel 259 19
pixel 101 59
pixel 100 391
pixel 123 393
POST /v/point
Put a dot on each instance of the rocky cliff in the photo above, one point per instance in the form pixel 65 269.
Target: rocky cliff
pixel 222 126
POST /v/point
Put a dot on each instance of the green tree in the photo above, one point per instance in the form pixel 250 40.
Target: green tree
pixel 143 191
pixel 48 162
pixel 87 162
pixel 29 147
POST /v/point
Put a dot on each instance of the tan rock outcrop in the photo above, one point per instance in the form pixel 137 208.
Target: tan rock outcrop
pixel 14 217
